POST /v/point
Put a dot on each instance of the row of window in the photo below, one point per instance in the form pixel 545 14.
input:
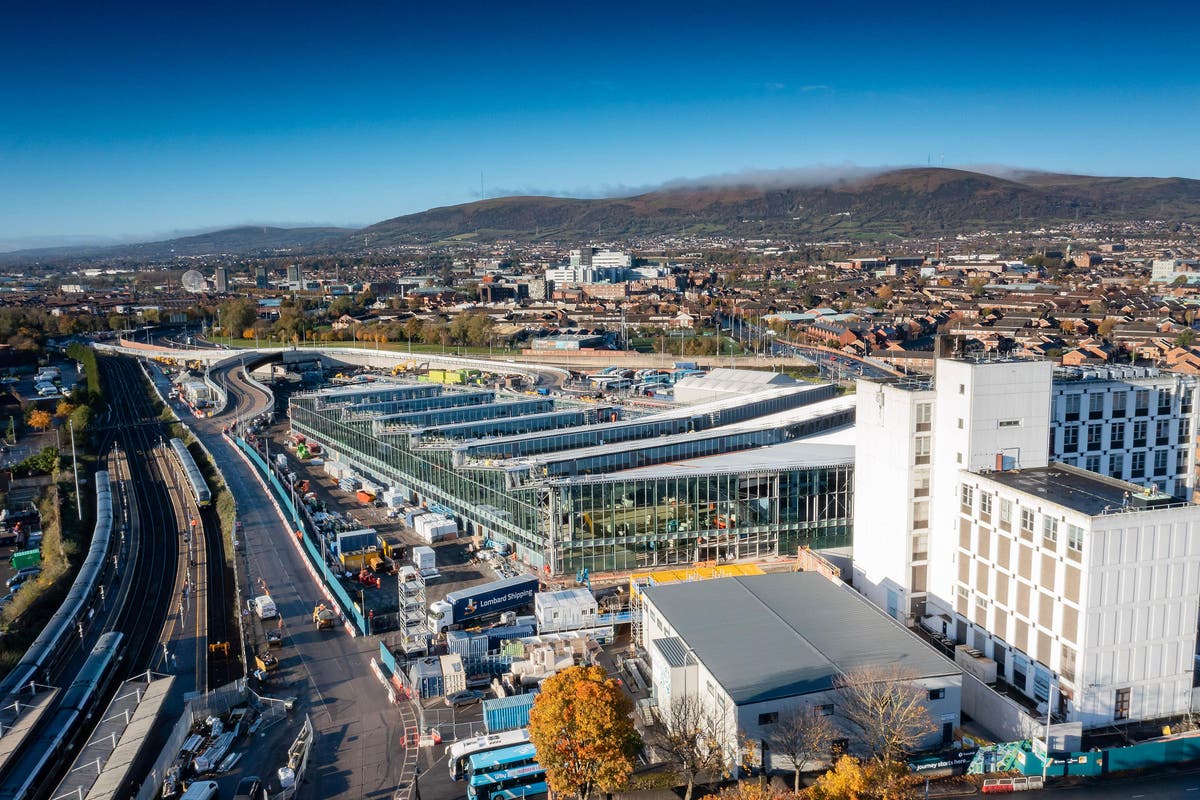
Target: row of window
pixel 1138 430
pixel 1072 404
pixel 1027 518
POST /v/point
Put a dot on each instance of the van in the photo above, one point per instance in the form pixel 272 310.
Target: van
pixel 201 790
pixel 264 606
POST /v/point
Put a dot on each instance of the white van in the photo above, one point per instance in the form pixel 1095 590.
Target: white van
pixel 201 790
pixel 264 606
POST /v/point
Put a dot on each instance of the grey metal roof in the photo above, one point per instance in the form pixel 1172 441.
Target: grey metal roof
pixel 673 651
pixel 785 634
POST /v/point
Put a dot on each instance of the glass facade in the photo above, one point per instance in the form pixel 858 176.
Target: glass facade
pixel 593 517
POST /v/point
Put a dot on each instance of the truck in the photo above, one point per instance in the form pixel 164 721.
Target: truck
pixel 324 616
pixel 477 602
pixel 264 606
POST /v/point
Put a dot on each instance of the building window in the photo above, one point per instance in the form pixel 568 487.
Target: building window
pixel 1092 464
pixel 1068 663
pixel 769 718
pixel 924 416
pixel 921 449
pixel 1027 523
pixel 921 514
pixel 1162 432
pixel 1164 402
pixel 1185 402
pixel 960 427
pixel 1139 433
pixel 962 388
pixel 1121 704
pixel 1160 463
pixel 1070 439
pixel 1119 401
pixel 1185 430
pixel 1006 514
pixel 921 486
pixel 1116 436
pixel 920 551
pixel 1141 402
pixel 937 694
pixel 1075 538
pixel 1137 466
pixel 985 506
pixel 967 498
pixel 1009 423
pixel 1115 465
pixel 1095 436
pixel 1095 405
pixel 1072 407
pixel 1049 530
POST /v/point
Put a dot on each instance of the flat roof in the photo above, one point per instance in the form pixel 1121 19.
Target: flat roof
pixel 1079 490
pixel 788 633
pixel 799 454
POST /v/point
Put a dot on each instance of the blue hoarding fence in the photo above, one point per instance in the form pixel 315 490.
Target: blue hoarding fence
pixel 1021 757
pixel 309 534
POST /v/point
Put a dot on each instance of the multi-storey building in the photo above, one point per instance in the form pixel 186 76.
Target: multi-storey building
pixel 1132 424
pixel 1083 588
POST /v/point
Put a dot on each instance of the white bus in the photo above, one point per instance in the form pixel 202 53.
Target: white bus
pixel 459 753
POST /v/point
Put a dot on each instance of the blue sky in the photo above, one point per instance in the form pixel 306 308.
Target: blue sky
pixel 174 116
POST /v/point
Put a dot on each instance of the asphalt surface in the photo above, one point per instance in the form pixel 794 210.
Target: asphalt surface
pixel 1143 787
pixel 358 748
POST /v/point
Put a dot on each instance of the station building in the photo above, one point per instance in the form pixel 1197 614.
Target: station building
pixel 574 485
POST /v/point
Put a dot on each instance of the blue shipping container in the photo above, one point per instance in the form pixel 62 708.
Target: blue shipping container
pixel 466 644
pixel 507 713
pixel 497 635
pixel 426 677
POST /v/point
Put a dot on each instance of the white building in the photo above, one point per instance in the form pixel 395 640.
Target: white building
pixel 754 648
pixel 1132 424
pixel 1166 270
pixel 1042 566
pixel 1083 589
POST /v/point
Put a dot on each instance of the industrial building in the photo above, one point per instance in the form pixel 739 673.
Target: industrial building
pixel 754 648
pixel 1082 589
pixel 573 485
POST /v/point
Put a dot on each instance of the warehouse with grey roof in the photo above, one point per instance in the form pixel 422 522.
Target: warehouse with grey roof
pixel 754 648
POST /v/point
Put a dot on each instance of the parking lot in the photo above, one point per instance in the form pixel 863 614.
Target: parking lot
pixel 19 498
pixel 24 387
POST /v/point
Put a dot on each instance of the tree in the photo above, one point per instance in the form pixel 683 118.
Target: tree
pixel 63 409
pixel 848 780
pixel 581 726
pixel 882 705
pixel 803 736
pixel 1185 338
pixel 37 418
pixel 746 790
pixel 238 314
pixel 689 738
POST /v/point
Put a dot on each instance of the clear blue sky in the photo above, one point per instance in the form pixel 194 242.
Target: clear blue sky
pixel 187 115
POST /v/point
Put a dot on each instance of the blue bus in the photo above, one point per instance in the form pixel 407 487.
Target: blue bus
pixel 505 774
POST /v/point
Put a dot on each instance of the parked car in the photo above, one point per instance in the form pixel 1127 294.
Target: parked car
pixel 8 598
pixel 464 698
pixel 22 576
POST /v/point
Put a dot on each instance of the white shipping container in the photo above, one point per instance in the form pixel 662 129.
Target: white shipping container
pixel 424 558
pixel 565 610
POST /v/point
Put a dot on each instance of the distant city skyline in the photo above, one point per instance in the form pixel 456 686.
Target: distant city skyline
pixel 158 121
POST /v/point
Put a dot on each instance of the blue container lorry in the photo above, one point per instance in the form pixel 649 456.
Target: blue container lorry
pixel 478 602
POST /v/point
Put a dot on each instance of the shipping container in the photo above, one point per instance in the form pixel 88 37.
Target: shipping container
pixel 454 677
pixel 392 546
pixel 425 675
pixel 499 635
pixel 23 559
pixel 467 644
pixel 424 558
pixel 507 713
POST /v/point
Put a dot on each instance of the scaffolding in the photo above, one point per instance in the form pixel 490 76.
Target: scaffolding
pixel 414 612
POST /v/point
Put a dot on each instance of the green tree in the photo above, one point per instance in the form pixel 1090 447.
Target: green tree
pixel 238 314
pixel 1185 338
pixel 581 726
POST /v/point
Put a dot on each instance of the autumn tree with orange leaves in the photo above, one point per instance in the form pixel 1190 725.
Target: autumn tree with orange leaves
pixel 582 729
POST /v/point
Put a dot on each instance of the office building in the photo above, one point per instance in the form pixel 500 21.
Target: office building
pixel 1075 584
pixel 260 277
pixel 221 279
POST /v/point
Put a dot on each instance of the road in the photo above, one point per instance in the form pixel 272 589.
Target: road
pixel 1144 787
pixel 358 750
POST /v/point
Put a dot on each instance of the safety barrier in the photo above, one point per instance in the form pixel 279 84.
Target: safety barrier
pixel 328 578
pixel 1009 785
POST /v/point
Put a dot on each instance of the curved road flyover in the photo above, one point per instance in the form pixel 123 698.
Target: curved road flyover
pixel 538 374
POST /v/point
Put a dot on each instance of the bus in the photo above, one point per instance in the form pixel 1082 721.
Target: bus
pixel 505 774
pixel 459 753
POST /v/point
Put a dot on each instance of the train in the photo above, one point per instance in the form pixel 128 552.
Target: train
pixel 74 607
pixel 98 672
pixel 198 485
